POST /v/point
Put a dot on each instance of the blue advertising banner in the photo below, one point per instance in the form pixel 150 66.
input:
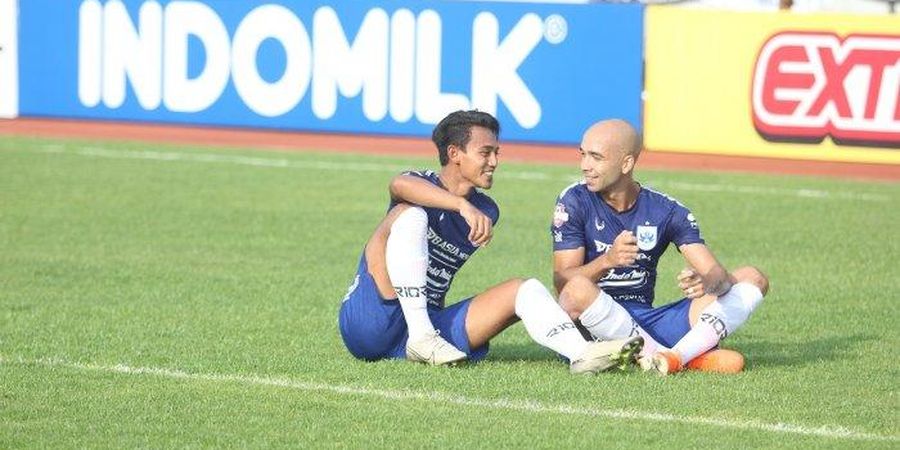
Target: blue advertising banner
pixel 384 67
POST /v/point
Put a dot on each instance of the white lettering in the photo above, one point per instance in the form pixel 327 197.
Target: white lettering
pixel 631 278
pixel 132 54
pixel 360 67
pixel 403 34
pixel 394 63
pixel 494 66
pixel 9 59
pixel 432 104
pixel 437 240
pixel 90 23
pixel 182 20
pixel 279 23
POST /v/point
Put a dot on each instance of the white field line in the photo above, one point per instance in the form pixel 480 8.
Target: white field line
pixel 528 406
pixel 99 152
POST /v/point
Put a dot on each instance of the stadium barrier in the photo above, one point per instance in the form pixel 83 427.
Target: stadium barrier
pixel 9 92
pixel 388 67
pixel 801 86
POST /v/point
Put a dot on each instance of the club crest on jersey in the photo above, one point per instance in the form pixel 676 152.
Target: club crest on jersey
pixel 646 237
pixel 560 216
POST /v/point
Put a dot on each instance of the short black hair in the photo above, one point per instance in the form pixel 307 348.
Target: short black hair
pixel 456 129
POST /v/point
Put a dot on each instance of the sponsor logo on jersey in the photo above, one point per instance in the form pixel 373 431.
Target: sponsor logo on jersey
pixel 439 272
pixel 809 85
pixel 448 248
pixel 628 278
pixel 646 236
pixel 632 298
pixel 602 247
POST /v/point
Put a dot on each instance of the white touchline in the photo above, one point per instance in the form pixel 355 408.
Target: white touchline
pixel 100 152
pixel 825 431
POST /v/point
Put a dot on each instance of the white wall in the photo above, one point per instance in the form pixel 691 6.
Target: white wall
pixel 9 60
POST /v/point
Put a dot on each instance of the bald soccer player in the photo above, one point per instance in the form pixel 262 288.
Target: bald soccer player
pixel 609 233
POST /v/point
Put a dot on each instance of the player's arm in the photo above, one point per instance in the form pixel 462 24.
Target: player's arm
pixel 415 190
pixel 711 274
pixel 569 263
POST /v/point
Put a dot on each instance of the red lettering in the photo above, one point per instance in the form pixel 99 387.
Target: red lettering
pixel 776 79
pixel 833 92
pixel 897 107
pixel 792 63
pixel 878 61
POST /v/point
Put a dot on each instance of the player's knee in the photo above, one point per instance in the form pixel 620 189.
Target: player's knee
pixel 410 218
pixel 577 295
pixel 518 283
pixel 528 290
pixel 754 276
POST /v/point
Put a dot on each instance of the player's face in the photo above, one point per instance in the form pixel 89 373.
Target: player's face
pixel 480 159
pixel 600 165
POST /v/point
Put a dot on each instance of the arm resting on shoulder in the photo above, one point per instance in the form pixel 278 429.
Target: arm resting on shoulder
pixel 410 189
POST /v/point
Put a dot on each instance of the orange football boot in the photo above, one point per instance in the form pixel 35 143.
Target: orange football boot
pixel 663 362
pixel 718 360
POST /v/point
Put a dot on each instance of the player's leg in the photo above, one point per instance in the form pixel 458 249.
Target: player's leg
pixel 495 309
pixel 602 316
pixel 370 326
pixel 712 319
pixel 406 262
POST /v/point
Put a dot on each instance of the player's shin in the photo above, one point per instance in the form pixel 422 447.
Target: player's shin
pixel 605 319
pixel 546 322
pixel 407 264
pixel 721 318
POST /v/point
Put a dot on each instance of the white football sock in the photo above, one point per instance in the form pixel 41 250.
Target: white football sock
pixel 546 322
pixel 605 319
pixel 406 256
pixel 721 318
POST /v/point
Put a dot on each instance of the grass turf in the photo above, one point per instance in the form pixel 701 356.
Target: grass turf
pixel 223 270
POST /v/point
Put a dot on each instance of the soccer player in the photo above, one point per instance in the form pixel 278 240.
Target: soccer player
pixel 608 234
pixel 395 306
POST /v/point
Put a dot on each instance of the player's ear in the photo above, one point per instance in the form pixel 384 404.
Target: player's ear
pixel 628 163
pixel 453 152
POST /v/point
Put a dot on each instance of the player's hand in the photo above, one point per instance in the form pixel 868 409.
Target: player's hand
pixel 624 250
pixel 481 229
pixel 690 283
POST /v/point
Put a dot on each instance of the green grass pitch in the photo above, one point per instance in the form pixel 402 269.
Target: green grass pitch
pixel 165 296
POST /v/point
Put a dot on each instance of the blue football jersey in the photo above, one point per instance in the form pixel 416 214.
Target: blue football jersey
pixel 583 219
pixel 448 239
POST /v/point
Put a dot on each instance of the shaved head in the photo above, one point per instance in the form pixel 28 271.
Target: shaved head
pixel 609 151
pixel 616 135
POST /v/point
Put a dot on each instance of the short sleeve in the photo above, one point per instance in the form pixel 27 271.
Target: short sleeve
pixel 567 229
pixel 684 228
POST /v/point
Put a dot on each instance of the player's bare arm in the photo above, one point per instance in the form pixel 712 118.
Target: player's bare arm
pixel 568 263
pixel 410 189
pixel 715 279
